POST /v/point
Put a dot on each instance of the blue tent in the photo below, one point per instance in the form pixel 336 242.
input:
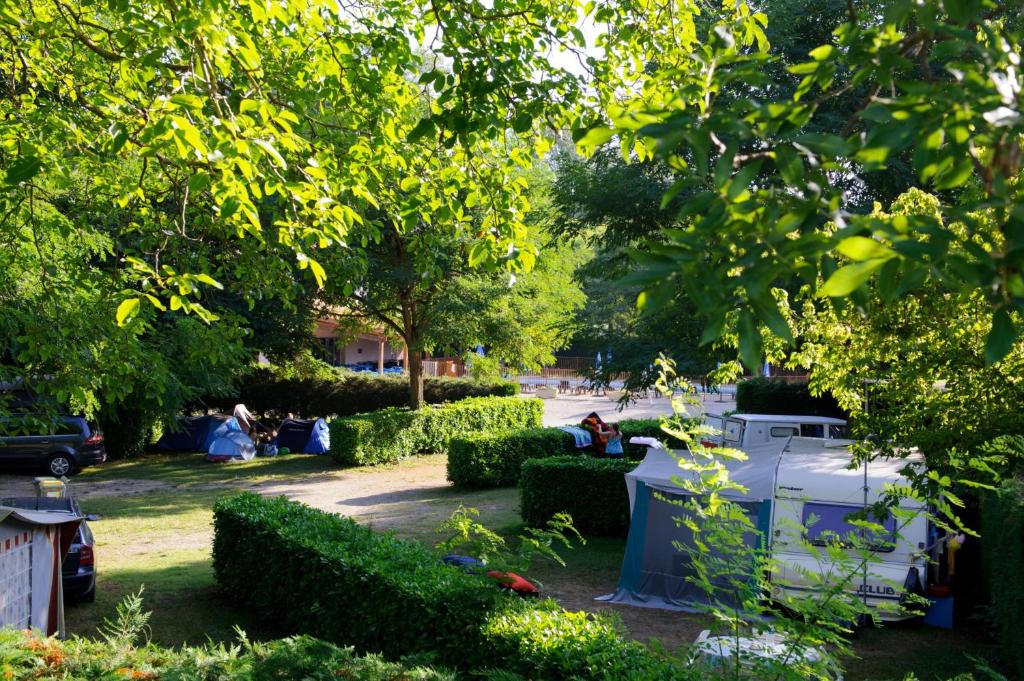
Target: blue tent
pixel 233 445
pixel 306 436
pixel 196 433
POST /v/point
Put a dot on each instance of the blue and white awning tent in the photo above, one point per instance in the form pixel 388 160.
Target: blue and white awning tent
pixel 657 570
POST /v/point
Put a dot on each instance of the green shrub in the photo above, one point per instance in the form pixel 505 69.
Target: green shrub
pixel 388 435
pixel 495 459
pixel 276 393
pixel 27 655
pixel 549 643
pixel 771 396
pixel 127 427
pixel 325 575
pixel 592 491
pixel 1002 532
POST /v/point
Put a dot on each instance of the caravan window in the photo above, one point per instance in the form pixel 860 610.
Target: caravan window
pixel 839 432
pixel 733 430
pixel 812 430
pixel 783 431
pixel 826 524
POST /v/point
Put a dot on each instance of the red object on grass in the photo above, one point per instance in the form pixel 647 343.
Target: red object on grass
pixel 512 581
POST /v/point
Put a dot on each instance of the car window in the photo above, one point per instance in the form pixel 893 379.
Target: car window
pixel 827 524
pixel 783 431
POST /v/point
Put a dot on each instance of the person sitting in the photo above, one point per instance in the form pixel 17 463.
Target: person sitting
pixel 614 446
pixel 599 431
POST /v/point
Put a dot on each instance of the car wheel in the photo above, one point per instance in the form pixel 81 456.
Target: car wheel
pixel 60 465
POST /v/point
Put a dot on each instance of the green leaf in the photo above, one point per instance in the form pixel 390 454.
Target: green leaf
pixel 846 280
pixel 833 146
pixel 478 253
pixel 522 123
pixel 198 183
pixel 25 168
pixel 409 183
pixel 423 128
pixel 864 248
pixel 595 137
pixel 1001 337
pixel 750 341
pixel 127 310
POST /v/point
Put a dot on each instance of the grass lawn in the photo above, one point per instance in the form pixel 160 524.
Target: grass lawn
pixel 155 530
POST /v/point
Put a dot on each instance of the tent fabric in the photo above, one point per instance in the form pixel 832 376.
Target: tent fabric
pixel 657 571
pixel 234 444
pixel 660 470
pixel 196 433
pixel 32 547
pixel 305 436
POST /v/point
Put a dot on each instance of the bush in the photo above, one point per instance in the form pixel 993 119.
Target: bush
pixel 495 459
pixel 127 427
pixel 388 435
pixel 592 491
pixel 277 393
pixel 771 396
pixel 1002 533
pixel 27 655
pixel 325 575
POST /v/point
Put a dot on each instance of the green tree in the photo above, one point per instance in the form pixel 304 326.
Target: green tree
pixel 764 181
pixel 265 130
pixel 416 275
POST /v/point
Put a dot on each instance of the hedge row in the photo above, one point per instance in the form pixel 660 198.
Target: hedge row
pixel 325 575
pixel 495 459
pixel 264 392
pixel 772 396
pixel 592 491
pixel 388 435
pixel 27 655
pixel 1002 533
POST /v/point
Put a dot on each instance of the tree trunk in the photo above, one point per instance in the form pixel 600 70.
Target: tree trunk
pixel 415 360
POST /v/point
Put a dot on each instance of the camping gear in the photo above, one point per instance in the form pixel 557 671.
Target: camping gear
pixel 506 580
pixel 33 544
pixel 720 652
pixel 50 488
pixel 232 446
pixel 306 436
pixel 786 484
pixel 245 418
pixel 196 433
pixel 581 436
pixel 513 582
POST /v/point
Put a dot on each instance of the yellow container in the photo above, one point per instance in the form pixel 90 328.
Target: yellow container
pixel 51 488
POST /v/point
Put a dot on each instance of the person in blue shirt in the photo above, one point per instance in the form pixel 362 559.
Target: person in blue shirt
pixel 614 446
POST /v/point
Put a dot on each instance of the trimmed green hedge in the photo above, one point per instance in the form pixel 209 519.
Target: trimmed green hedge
pixel 27 655
pixel 265 392
pixel 592 491
pixel 1002 540
pixel 325 575
pixel 495 459
pixel 772 396
pixel 388 435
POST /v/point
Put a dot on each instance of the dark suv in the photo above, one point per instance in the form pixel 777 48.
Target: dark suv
pixel 61 448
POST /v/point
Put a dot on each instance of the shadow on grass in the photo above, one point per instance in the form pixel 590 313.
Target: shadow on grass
pixel 187 606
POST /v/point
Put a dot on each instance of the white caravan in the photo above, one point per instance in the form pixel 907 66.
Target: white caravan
pixel 788 486
pixel 754 431
pixel 815 491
